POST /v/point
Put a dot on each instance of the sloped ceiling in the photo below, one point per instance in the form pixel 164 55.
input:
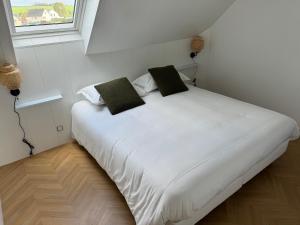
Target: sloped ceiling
pixel 123 24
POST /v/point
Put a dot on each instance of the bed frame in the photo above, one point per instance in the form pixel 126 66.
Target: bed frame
pixel 235 186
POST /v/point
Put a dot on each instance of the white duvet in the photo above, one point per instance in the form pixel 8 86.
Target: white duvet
pixel 172 155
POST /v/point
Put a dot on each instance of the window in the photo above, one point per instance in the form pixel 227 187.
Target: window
pixel 40 16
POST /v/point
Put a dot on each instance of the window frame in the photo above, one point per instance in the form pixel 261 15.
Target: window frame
pixel 45 29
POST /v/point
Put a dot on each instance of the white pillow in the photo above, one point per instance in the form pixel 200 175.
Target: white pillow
pixel 93 96
pixel 147 83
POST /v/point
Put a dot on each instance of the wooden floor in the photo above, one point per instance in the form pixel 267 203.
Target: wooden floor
pixel 65 186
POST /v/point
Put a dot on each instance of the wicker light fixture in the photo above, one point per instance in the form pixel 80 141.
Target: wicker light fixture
pixel 197 46
pixel 10 77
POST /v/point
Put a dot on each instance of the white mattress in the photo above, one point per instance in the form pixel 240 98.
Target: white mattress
pixel 171 156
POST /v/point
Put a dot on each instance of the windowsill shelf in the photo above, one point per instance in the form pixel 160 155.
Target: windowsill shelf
pixel 45 39
pixel 39 101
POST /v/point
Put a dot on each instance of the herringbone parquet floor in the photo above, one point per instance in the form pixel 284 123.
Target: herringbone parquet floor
pixel 65 186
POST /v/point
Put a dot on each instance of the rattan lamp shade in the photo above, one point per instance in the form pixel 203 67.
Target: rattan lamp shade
pixel 197 44
pixel 10 77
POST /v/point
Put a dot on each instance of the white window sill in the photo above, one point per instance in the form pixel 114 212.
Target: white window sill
pixel 25 41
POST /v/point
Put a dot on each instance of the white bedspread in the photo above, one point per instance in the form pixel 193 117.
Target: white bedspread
pixel 172 155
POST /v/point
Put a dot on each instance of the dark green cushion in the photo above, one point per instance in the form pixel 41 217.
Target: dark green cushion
pixel 119 95
pixel 167 80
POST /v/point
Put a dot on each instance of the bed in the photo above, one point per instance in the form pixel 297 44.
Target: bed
pixel 176 158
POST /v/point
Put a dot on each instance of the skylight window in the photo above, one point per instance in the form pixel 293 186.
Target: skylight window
pixel 39 16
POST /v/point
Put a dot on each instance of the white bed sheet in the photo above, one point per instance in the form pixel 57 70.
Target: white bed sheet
pixel 172 155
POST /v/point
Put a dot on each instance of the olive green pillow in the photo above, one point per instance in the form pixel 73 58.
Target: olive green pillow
pixel 167 80
pixel 119 95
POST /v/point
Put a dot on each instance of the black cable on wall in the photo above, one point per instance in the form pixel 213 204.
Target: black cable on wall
pixel 24 139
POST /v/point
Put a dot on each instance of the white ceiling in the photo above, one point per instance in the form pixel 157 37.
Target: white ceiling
pixel 123 24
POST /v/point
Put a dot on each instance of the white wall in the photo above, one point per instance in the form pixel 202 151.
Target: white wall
pixel 255 54
pixel 64 68
pixel 9 134
pixel 91 8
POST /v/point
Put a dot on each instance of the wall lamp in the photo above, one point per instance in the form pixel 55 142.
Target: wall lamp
pixel 10 77
pixel 197 46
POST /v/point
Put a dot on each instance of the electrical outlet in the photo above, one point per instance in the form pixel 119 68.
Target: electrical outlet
pixel 59 128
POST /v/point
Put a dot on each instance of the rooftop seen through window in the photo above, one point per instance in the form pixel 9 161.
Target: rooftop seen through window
pixel 42 12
